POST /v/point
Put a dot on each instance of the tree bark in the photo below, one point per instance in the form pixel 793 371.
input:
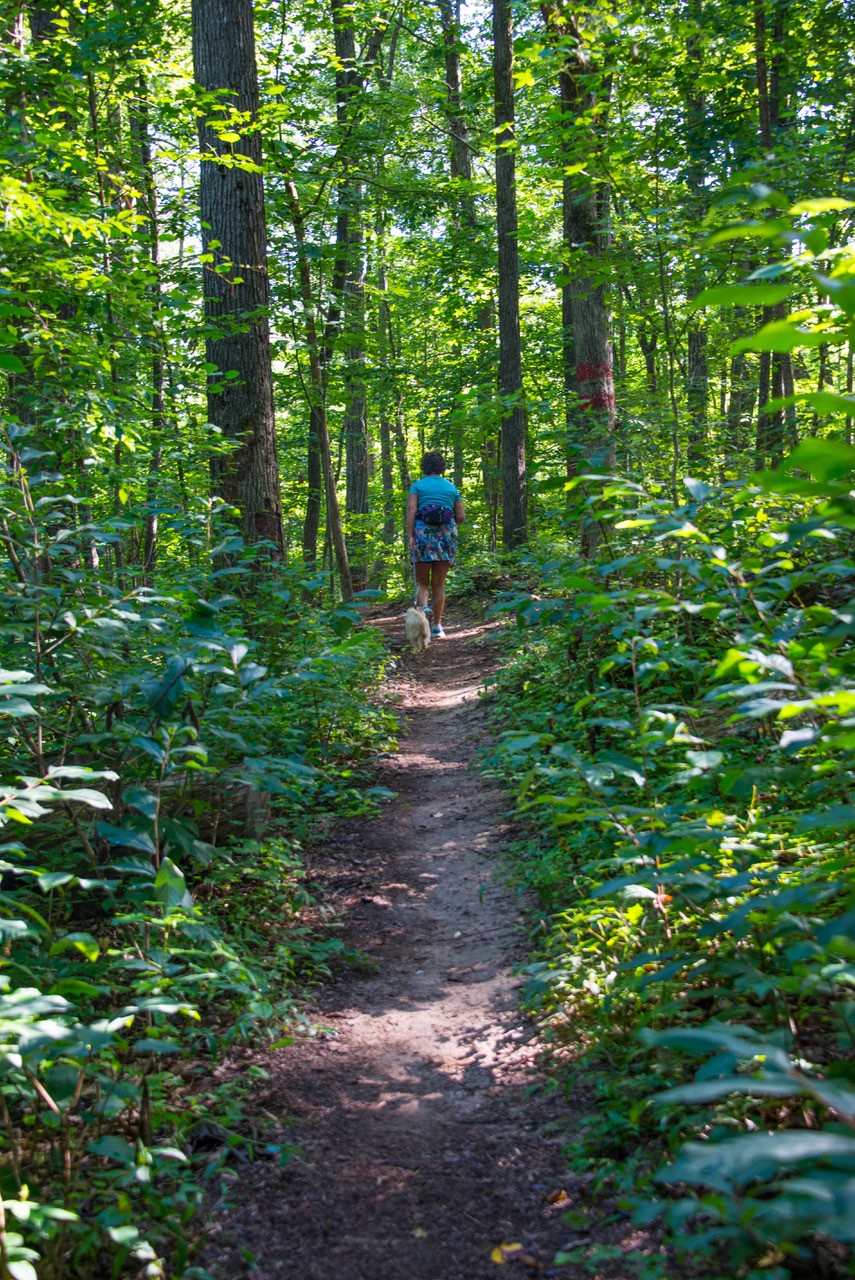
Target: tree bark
pixel 460 150
pixel 350 252
pixel 148 209
pixel 399 433
pixel 585 237
pixel 314 485
pixel 739 404
pixel 355 426
pixel 510 356
pixel 697 364
pixel 317 391
pixel 764 386
pixel 235 281
pixel 647 346
pixel 762 74
pixel 385 412
pixel 43 19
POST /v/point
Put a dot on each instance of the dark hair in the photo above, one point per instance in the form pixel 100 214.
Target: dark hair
pixel 433 464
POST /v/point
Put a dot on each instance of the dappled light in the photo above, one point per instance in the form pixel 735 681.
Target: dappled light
pixel 427 602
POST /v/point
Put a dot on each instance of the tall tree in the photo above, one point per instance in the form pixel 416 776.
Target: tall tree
pixel 514 530
pixel 147 207
pixel 587 348
pixel 235 280
pixel 460 148
pixel 350 246
pixel 320 348
pixel 697 363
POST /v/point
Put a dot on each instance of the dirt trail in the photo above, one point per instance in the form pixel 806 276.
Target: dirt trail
pixel 421 1148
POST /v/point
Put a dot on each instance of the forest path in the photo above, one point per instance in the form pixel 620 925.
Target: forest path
pixel 421 1150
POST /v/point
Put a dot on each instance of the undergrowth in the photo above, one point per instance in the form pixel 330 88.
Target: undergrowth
pixel 165 754
pixel 679 734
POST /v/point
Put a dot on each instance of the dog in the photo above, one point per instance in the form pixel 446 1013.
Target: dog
pixel 418 630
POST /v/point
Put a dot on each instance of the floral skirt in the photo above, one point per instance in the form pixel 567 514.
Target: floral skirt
pixel 434 542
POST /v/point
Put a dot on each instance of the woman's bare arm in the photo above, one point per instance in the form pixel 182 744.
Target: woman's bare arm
pixel 459 513
pixel 412 508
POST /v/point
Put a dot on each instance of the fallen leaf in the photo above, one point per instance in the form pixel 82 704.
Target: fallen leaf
pixel 420 1233
pixel 505 1253
pixel 559 1198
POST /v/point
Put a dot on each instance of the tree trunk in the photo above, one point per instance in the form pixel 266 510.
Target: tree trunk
pixel 43 19
pixel 489 443
pixel 147 207
pixel 585 235
pixel 761 446
pixel 314 485
pixel 697 364
pixel 354 426
pixel 510 356
pixel 741 393
pixel 317 390
pixel 697 392
pixel 647 346
pixel 460 151
pixel 385 414
pixel 457 453
pixel 398 425
pixel 764 109
pixel 350 247
pixel 235 282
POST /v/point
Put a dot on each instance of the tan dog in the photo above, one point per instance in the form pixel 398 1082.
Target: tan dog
pixel 418 630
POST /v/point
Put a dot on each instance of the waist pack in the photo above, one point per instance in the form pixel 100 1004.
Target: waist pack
pixel 435 514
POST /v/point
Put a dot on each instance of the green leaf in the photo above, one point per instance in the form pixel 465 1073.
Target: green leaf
pixel 838 818
pixel 156 1046
pixel 778 1086
pixel 141 800
pixel 20 1269
pixel 54 880
pixel 769 229
pixel 782 335
pixel 83 942
pixel 743 295
pixel 823 459
pixel 170 887
pixel 113 1148
pixel 829 402
pixel 697 488
pixel 705 759
pixel 755 1156
pixel 126 838
pixel 11 364
pixel 823 204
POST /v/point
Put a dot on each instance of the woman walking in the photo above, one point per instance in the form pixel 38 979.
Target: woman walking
pixel 434 510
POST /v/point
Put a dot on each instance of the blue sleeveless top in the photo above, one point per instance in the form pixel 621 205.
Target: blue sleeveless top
pixel 435 489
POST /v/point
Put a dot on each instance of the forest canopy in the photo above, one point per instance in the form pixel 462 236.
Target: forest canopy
pixel 256 260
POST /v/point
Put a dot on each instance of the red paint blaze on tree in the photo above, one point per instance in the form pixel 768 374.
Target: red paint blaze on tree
pixel 601 395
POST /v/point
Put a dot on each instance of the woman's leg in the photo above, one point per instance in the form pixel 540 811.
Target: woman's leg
pixel 438 574
pixel 422 582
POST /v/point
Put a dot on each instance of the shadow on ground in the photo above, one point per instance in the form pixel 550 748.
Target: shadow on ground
pixel 423 1145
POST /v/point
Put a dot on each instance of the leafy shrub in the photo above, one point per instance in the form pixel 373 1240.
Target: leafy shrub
pixel 681 744
pixel 154 740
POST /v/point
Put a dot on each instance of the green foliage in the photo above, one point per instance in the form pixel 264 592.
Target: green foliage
pixel 681 744
pixel 147 734
pixel 172 702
